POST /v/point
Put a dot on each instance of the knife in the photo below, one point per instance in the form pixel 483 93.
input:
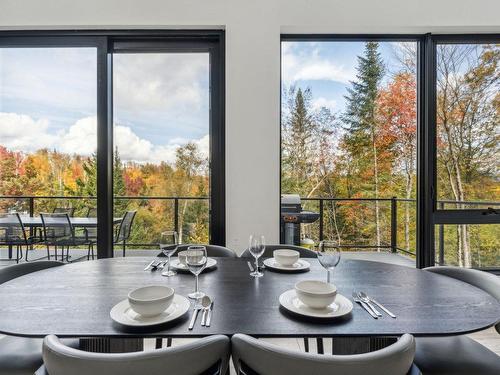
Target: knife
pixel 383 308
pixel 209 315
pixel 193 318
pixel 250 266
pixel 149 265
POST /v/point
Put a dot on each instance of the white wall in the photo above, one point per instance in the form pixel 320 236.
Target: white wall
pixel 253 30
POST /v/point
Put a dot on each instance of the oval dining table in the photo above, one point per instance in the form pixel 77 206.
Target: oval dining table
pixel 75 300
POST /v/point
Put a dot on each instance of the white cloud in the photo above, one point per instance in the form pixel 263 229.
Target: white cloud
pixel 23 133
pixel 320 102
pixel 306 63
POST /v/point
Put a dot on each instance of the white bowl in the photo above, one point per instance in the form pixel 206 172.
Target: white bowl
pixel 286 257
pixel 316 294
pixel 151 300
pixel 181 255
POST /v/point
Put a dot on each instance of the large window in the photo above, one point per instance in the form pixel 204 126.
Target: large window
pixel 467 123
pixel 104 123
pixel 348 143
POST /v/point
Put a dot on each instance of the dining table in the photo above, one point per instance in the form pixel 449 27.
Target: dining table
pixel 75 300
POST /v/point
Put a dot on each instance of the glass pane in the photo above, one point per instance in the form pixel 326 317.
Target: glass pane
pixel 468 125
pixel 48 132
pixel 348 144
pixel 476 246
pixel 161 135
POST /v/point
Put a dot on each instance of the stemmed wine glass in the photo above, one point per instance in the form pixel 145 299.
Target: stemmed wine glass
pixel 329 257
pixel 257 245
pixel 169 241
pixel 196 260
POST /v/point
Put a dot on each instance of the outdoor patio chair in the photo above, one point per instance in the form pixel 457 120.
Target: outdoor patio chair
pixel 13 233
pixel 64 210
pixel 122 234
pixel 59 232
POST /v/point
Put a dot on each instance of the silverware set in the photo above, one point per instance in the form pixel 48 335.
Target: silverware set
pixel 205 305
pixel 369 303
pixel 251 268
pixel 156 265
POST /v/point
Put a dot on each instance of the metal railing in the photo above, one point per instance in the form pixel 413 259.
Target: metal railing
pixel 393 244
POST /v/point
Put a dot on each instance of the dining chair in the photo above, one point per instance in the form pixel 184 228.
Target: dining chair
pixel 207 356
pixel 252 356
pixel 13 233
pixel 59 232
pixel 64 210
pixel 212 250
pixel 122 234
pixel 268 252
pixel 459 355
pixel 22 355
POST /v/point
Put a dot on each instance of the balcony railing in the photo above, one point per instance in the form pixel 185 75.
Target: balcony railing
pixel 27 203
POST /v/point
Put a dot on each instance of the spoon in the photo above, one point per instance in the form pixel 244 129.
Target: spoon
pixel 205 304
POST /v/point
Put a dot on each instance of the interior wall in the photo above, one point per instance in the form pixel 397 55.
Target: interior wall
pixel 253 30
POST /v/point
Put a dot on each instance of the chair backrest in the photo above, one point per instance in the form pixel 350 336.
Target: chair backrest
pixel 12 229
pixel 57 226
pixel 212 250
pixel 64 210
pixel 11 272
pixel 483 280
pixel 125 227
pixel 192 359
pixel 268 253
pixel 92 212
pixel 265 359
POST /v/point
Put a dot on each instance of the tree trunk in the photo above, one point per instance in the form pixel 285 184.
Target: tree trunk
pixel 375 173
pixel 407 210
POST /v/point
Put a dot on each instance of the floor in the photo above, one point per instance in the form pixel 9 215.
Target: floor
pixel 489 338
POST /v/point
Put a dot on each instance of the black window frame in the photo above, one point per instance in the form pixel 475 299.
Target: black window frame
pixel 427 213
pixel 106 43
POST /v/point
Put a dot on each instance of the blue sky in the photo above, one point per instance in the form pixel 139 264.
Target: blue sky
pixel 48 99
pixel 161 101
pixel 327 68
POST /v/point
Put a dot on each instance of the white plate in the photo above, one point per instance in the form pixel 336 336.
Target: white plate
pixel 123 314
pixel 300 265
pixel 176 265
pixel 291 302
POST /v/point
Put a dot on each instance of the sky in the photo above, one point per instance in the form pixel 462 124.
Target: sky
pixel 161 101
pixel 328 67
pixel 48 100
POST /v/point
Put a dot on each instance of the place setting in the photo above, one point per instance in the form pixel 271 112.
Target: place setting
pixel 285 260
pixel 317 299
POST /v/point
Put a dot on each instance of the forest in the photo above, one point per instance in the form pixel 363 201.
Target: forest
pixel 369 150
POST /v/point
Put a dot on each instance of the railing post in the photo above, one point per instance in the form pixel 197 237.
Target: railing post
pixel 394 224
pixel 441 238
pixel 32 206
pixel 321 219
pixel 176 215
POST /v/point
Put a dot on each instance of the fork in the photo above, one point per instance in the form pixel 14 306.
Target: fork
pixel 196 310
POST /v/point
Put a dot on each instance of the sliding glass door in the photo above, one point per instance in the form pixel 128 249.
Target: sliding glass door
pixel 467 151
pixel 104 123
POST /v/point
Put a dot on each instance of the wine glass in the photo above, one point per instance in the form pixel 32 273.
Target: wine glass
pixel 169 241
pixel 196 260
pixel 329 257
pixel 257 245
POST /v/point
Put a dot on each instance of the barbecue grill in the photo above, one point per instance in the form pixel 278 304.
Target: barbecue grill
pixel 292 216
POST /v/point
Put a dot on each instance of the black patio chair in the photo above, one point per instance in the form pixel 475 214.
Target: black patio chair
pixel 91 232
pixel 13 233
pixel 59 232
pixel 122 234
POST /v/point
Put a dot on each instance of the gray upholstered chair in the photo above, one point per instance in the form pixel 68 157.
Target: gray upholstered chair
pixel 268 253
pixel 212 250
pixel 209 355
pixel 459 354
pixel 20 355
pixel 252 356
pixel 122 234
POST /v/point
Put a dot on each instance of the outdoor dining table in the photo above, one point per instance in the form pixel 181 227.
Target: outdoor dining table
pixel 75 300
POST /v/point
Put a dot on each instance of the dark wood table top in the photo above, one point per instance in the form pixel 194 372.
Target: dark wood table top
pixel 75 300
pixel 82 222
